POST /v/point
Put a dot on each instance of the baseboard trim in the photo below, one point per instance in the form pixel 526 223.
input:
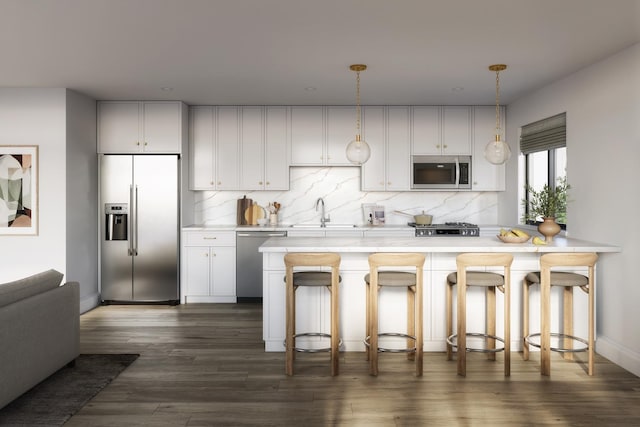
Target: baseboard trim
pixel 89 303
pixel 620 355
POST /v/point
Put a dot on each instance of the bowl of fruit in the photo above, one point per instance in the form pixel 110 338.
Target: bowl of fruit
pixel 513 236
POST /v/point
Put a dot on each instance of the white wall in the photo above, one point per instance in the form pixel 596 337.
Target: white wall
pixel 602 103
pixel 82 198
pixel 62 124
pixel 37 117
pixel 340 189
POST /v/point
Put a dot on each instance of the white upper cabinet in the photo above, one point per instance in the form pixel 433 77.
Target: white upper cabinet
pixel 227 143
pixel 320 135
pixel 276 143
pixel 307 136
pixel 387 130
pixel 252 172
pixel 456 130
pixel 239 148
pixel 398 149
pixel 425 127
pixel 201 148
pixel 141 127
pixel 214 147
pixel 341 130
pixel 485 176
pixel 441 130
pixel 265 163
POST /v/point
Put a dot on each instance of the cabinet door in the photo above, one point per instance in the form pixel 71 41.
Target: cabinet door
pixel 252 172
pixel 341 130
pixel 201 148
pixel 162 127
pixel 398 149
pixel 223 271
pixel 227 148
pixel 373 171
pixel 425 124
pixel 485 176
pixel 118 130
pixel 197 271
pixel 275 149
pixel 456 130
pixel 307 136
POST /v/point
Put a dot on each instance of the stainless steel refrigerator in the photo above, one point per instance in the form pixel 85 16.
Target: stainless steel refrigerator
pixel 139 225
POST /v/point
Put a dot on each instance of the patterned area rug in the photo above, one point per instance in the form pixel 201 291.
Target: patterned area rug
pixel 56 399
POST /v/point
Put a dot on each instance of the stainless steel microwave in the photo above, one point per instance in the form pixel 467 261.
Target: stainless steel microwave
pixel 441 172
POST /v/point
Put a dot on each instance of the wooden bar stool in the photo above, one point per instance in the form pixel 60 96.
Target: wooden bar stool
pixel 294 280
pixel 490 281
pixel 413 282
pixel 547 278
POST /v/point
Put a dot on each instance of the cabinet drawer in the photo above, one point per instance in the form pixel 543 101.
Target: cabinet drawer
pixel 210 238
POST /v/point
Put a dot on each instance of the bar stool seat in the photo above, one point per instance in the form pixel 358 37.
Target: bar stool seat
pixel 293 281
pixel 491 281
pixel 375 280
pixel 569 281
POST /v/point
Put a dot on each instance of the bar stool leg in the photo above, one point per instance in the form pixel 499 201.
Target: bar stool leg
pixel 525 318
pixel 290 322
pixel 335 351
pixel 411 320
pixel 449 320
pixel 545 320
pixel 567 300
pixel 491 320
pixel 592 292
pixel 373 340
pixel 461 354
pixel 419 323
pixel 367 349
pixel 507 322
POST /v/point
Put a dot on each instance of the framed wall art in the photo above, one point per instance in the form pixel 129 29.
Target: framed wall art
pixel 19 190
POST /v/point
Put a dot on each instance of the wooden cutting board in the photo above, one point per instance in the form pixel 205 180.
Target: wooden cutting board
pixel 243 205
pixel 253 214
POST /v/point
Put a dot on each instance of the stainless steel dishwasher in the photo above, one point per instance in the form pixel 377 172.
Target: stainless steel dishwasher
pixel 249 263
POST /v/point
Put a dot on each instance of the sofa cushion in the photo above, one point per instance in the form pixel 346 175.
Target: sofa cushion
pixel 24 288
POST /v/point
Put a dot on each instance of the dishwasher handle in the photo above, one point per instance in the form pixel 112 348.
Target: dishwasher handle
pixel 263 234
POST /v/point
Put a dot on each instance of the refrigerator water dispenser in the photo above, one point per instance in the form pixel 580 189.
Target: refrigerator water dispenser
pixel 116 215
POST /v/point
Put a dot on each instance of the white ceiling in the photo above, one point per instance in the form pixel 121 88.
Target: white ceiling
pixel 254 52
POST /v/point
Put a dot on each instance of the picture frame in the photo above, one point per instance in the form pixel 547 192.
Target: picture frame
pixel 19 190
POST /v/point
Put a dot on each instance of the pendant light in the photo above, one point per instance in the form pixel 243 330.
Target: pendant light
pixel 358 151
pixel 498 151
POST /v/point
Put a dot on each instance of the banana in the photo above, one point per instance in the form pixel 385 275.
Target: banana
pixel 538 241
pixel 504 232
pixel 519 232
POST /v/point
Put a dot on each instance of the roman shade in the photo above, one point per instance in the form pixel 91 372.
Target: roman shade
pixel 545 134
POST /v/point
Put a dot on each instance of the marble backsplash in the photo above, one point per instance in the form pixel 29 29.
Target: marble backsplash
pixel 340 189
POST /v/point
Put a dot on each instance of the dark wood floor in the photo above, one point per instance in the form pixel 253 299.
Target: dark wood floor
pixel 204 365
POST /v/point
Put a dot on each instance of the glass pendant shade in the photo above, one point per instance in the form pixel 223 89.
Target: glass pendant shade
pixel 497 152
pixel 358 151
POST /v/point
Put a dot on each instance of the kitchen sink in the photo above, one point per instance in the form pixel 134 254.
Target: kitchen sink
pixel 316 225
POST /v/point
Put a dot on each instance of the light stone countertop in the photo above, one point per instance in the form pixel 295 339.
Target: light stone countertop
pixel 426 244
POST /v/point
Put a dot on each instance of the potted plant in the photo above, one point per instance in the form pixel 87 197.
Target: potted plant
pixel 548 204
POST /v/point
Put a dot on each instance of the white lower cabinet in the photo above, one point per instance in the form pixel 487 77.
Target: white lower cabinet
pixel 209 267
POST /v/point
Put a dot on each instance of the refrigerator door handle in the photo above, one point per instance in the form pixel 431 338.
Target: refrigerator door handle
pixel 135 225
pixel 131 229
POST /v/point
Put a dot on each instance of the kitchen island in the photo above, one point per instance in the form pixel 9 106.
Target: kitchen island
pixel 313 304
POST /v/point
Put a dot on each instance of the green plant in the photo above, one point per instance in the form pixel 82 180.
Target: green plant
pixel 548 202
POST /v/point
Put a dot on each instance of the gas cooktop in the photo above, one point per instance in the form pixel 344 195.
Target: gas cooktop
pixel 449 229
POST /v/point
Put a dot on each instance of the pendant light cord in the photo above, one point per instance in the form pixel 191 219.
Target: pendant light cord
pixel 497 102
pixel 358 102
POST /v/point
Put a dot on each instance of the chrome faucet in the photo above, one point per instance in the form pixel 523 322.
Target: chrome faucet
pixel 323 219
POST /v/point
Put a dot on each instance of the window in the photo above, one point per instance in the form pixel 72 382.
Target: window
pixel 543 144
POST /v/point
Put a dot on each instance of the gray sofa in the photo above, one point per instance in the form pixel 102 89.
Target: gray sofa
pixel 39 330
